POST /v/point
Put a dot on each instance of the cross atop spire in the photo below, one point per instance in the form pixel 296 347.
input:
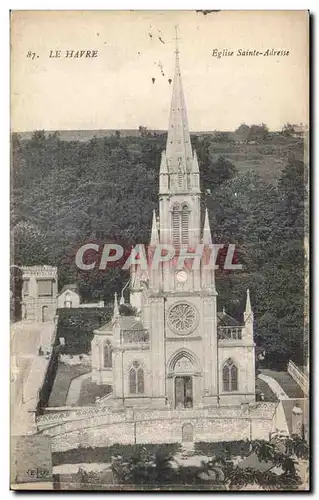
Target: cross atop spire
pixel 178 148
pixel 176 40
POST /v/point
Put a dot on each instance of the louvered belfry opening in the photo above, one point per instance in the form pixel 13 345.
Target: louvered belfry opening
pixel 180 225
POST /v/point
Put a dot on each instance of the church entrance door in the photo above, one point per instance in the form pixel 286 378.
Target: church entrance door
pixel 184 392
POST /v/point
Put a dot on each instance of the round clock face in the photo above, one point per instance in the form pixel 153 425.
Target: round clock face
pixel 181 276
pixel 182 318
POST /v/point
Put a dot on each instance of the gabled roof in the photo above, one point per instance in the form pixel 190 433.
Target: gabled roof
pixel 72 287
pixel 131 323
pixel 223 319
pixel 126 323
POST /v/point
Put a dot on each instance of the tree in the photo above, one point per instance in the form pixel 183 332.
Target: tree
pixel 16 282
pixel 29 244
pixel 241 134
pixel 258 132
pixel 237 476
pixel 287 130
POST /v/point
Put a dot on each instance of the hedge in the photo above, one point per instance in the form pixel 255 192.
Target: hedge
pixel 104 454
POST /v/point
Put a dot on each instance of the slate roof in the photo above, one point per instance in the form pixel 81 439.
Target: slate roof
pixel 223 319
pixel 126 323
pixel 72 287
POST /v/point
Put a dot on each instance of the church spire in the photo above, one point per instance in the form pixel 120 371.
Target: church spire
pixel 178 148
pixel 154 235
pixel 207 237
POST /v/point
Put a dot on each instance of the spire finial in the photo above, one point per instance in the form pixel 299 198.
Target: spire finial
pixel 116 312
pixel 248 304
pixel 207 236
pixel 176 40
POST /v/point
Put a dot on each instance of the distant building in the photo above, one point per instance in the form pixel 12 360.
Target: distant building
pixel 39 293
pixel 69 297
pixel 299 130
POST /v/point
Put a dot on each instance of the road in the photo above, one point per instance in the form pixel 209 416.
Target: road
pixel 274 386
pixel 27 369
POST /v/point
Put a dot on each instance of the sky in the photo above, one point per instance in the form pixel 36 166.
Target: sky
pixel 115 89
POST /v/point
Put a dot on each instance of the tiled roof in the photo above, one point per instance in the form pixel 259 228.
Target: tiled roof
pixel 72 287
pixel 126 323
pixel 223 319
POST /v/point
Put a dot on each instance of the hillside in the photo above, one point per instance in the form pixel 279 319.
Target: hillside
pixel 267 157
pixel 67 193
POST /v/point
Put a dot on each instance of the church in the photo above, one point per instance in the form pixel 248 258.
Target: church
pixel 178 352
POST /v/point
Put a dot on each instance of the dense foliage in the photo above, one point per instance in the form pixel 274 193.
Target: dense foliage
pixel 76 327
pixel 67 193
pixel 273 465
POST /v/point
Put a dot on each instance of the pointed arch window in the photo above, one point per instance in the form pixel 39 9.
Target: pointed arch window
pixel 136 378
pixel 107 354
pixel 230 376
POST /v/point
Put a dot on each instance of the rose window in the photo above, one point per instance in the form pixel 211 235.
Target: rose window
pixel 182 318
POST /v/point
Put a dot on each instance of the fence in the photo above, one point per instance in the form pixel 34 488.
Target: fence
pixel 298 376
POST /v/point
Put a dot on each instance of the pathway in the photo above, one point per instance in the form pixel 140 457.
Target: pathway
pixel 274 386
pixel 27 370
pixel 75 389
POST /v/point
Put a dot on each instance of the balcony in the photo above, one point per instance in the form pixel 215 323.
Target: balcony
pixel 229 332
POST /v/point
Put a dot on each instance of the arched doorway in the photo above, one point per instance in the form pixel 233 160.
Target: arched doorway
pixel 183 371
pixel 45 314
pixel 187 433
pixel 184 391
pixel 68 300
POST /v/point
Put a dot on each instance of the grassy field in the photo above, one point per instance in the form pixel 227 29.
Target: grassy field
pixel 90 391
pixel 267 158
pixel 65 374
pixel 264 388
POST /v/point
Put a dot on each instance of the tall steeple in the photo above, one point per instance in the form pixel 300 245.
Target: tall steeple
pixel 179 185
pixel 178 148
